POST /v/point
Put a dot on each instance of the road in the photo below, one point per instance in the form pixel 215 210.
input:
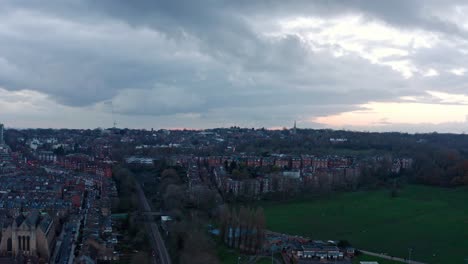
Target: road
pixel 58 246
pixel 160 255
pixel 66 249
pixel 65 252
pixel 77 223
pixel 390 258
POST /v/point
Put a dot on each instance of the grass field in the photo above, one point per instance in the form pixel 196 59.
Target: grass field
pixel 357 259
pixel 432 221
pixel 227 256
pixel 230 256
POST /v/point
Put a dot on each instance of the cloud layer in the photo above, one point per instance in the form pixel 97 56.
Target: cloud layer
pixel 221 63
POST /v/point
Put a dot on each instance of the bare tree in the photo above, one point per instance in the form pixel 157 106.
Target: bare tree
pixel 174 197
pixel 243 228
pixel 198 249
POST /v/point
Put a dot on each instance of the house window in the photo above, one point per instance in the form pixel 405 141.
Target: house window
pixel 27 244
pixel 19 242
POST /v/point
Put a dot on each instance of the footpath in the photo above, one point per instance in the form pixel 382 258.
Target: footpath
pixel 391 258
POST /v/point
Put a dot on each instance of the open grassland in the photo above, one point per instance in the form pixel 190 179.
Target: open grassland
pixel 231 256
pixel 360 258
pixel 431 221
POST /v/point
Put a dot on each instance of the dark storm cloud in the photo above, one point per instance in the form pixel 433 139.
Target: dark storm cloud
pixel 170 57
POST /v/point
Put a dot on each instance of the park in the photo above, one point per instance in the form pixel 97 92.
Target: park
pixel 428 224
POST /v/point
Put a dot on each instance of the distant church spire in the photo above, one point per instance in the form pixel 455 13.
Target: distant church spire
pixel 294 130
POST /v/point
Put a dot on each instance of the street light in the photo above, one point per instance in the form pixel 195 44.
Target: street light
pixel 272 251
pixel 271 256
pixel 410 250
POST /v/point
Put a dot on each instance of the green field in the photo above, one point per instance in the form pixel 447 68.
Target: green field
pixel 432 221
pixel 230 256
pixel 227 256
pixel 357 259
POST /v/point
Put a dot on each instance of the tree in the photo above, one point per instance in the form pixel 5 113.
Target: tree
pixel 343 244
pixel 203 198
pixel 139 258
pixel 232 166
pixel 168 177
pixel 225 219
pixel 243 228
pixel 60 151
pixel 260 226
pixel 174 197
pixel 198 249
pixel 170 173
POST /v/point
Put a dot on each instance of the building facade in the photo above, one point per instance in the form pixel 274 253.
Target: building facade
pixel 31 234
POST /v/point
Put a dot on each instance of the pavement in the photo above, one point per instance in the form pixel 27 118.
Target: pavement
pixel 391 258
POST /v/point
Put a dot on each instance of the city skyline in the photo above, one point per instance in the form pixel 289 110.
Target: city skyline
pixel 353 65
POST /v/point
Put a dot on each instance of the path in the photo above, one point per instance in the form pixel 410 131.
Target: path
pixel 390 257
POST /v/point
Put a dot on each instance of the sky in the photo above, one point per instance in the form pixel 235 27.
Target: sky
pixel 399 65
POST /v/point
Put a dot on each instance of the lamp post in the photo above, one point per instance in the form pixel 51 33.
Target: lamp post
pixel 272 251
pixel 271 255
pixel 410 250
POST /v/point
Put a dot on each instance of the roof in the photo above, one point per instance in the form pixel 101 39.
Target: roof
pixel 119 216
pixel 19 219
pixel 32 218
pixel 45 223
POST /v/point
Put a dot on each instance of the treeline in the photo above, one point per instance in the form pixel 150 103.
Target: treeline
pixel 131 227
pixel 441 167
pixel 439 159
pixel 125 183
pixel 179 200
pixel 318 142
pixel 243 229
pixel 190 208
pixel 240 171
